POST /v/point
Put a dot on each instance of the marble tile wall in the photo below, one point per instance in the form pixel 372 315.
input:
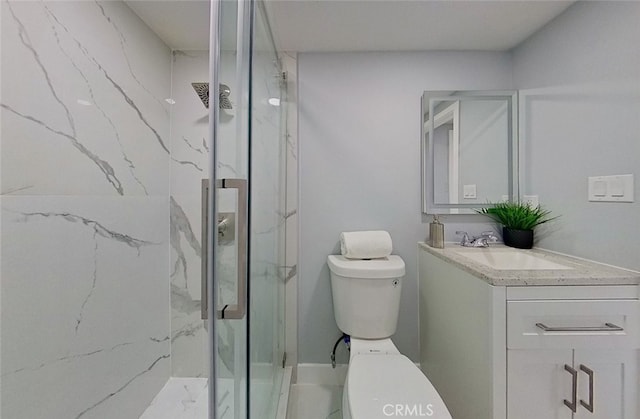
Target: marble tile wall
pixel 85 181
pixel 190 147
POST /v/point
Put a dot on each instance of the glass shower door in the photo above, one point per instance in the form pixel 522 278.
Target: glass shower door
pixel 245 217
pixel 227 214
pixel 267 219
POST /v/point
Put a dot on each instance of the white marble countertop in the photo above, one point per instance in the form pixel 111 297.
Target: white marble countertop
pixel 584 272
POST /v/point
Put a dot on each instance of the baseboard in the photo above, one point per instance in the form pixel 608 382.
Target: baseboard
pixel 321 374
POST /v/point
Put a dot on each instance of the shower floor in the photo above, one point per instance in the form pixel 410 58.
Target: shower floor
pixel 188 398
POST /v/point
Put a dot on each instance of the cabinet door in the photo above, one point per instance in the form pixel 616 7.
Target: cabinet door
pixel 537 384
pixel 615 383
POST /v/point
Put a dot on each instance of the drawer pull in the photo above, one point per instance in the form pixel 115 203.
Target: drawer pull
pixel 608 327
pixel 589 373
pixel 573 404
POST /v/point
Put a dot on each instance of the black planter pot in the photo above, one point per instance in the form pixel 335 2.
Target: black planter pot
pixel 521 239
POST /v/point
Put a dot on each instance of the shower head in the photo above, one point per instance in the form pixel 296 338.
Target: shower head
pixel 202 89
pixel 225 91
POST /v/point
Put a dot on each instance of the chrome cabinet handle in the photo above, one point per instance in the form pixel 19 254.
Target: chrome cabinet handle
pixel 237 311
pixel 589 372
pixel 608 327
pixel 573 405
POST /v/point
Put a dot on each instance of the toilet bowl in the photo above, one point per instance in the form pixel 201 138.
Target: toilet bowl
pixel 381 382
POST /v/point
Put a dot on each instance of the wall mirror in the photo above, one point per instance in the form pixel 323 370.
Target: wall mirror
pixel 469 150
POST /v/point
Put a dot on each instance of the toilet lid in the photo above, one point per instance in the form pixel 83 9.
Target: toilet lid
pixel 383 386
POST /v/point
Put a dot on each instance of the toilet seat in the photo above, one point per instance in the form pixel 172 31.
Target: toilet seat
pixel 390 385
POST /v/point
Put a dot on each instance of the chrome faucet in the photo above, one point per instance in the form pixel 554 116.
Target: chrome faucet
pixel 482 240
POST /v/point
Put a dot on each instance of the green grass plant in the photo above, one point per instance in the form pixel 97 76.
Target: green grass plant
pixel 517 215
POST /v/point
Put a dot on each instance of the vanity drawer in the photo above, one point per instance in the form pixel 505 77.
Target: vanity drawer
pixel 573 324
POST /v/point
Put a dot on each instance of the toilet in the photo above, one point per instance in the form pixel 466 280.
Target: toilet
pixel 381 382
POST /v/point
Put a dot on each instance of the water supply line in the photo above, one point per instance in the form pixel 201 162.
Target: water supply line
pixel 347 341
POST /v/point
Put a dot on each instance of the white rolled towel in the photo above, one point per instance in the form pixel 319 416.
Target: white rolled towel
pixel 365 244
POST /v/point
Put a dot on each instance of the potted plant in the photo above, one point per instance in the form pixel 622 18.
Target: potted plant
pixel 518 220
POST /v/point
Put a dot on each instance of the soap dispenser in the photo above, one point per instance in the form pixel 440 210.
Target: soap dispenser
pixel 436 233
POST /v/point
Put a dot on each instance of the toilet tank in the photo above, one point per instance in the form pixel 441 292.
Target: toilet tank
pixel 366 295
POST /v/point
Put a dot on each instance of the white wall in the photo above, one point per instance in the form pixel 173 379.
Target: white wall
pixel 359 143
pixel 580 103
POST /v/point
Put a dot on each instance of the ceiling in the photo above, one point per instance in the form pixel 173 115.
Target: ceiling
pixel 181 24
pixel 365 25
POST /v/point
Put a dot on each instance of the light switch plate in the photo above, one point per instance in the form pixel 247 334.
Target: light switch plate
pixel 615 188
pixel 469 191
pixel 599 188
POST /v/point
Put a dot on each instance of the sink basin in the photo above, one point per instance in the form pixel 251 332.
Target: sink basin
pixel 508 259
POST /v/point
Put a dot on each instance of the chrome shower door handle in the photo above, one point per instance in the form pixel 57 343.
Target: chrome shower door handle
pixel 229 311
pixel 238 310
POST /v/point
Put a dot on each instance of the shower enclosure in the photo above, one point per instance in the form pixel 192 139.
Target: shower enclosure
pixel 109 243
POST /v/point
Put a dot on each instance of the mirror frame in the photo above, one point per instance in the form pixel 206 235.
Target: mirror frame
pixel 429 206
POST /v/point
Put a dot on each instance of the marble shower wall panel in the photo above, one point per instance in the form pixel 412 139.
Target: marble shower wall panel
pixel 189 123
pixel 84 306
pixel 190 148
pixel 85 208
pixel 85 85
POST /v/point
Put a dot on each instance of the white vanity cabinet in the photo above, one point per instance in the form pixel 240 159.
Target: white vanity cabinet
pixel 540 384
pixel 530 344
pixel 572 358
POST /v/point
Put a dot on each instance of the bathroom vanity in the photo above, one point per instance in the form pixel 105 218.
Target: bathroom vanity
pixel 529 334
